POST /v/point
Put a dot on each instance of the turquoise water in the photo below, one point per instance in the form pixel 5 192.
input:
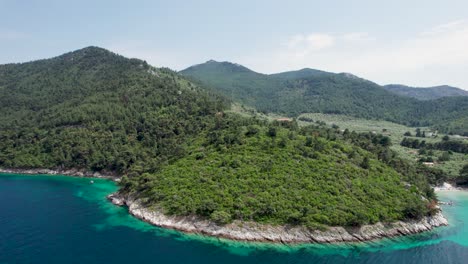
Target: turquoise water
pixel 59 219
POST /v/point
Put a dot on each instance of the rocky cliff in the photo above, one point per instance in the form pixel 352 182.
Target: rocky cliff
pixel 251 231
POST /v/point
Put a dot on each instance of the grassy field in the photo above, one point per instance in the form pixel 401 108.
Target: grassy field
pixel 395 132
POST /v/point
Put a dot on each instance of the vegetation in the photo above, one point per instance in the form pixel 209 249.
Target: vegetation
pixel 182 152
pixel 95 110
pixel 314 176
pixel 396 133
pixel 464 173
pixel 312 91
pixel 447 145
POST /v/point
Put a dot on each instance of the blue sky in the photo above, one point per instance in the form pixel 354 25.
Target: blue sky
pixel 419 43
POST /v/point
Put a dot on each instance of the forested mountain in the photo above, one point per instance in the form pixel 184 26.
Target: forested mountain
pixel 176 147
pixel 293 93
pixel 303 73
pixel 235 81
pixel 429 93
pixel 97 110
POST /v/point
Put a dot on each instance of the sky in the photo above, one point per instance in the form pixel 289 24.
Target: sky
pixel 412 42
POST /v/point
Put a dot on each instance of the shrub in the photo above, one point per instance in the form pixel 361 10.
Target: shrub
pixel 220 217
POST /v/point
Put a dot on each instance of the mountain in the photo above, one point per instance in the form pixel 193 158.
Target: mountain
pixel 234 81
pixel 429 93
pixel 96 110
pixel 303 73
pixel 292 92
pixel 295 92
pixel 181 154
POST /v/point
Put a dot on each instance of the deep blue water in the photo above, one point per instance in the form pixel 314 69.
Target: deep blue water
pixel 57 219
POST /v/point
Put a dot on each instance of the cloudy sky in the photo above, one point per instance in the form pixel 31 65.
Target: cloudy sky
pixel 419 43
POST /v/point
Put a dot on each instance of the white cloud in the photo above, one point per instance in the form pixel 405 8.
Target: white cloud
pixel 447 27
pixel 358 38
pixel 417 60
pixel 311 42
pixel 447 47
pixel 319 41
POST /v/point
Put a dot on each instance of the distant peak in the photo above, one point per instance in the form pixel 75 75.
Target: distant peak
pixel 226 63
pixel 218 65
pixel 349 75
pixel 89 51
pixel 93 48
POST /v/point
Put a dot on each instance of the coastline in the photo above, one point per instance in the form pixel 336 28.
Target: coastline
pixel 255 232
pixel 252 231
pixel 449 187
pixel 67 172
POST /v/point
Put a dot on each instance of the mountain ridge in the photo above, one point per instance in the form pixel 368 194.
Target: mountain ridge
pixel 307 90
pixel 426 93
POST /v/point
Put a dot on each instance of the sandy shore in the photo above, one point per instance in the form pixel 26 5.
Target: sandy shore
pixel 251 231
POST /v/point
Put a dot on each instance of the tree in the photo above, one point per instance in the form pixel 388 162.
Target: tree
pixel 444 157
pixel 407 134
pixel 252 130
pixel 221 217
pixel 283 142
pixel 272 131
pixel 418 132
pixel 385 141
pixel 464 173
pixel 365 163
pixel 445 138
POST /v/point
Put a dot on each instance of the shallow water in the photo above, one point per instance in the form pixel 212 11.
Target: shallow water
pixel 59 219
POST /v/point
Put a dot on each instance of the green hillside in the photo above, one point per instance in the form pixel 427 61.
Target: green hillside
pixel 178 149
pixel 235 82
pixel 242 169
pixel 96 110
pixel 309 91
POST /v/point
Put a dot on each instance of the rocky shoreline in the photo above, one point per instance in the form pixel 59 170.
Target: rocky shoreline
pixel 449 187
pixel 68 172
pixel 251 231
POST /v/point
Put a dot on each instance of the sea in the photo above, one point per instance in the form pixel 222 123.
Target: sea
pixel 62 219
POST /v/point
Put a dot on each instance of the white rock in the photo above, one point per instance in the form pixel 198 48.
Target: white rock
pixel 251 231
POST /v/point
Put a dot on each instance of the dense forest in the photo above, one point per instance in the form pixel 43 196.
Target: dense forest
pixel 96 110
pixel 177 148
pixel 279 174
pixel 313 91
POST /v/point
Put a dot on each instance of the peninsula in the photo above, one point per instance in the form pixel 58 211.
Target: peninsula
pixel 188 160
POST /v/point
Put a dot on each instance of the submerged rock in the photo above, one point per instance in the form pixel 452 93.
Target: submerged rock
pixel 116 199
